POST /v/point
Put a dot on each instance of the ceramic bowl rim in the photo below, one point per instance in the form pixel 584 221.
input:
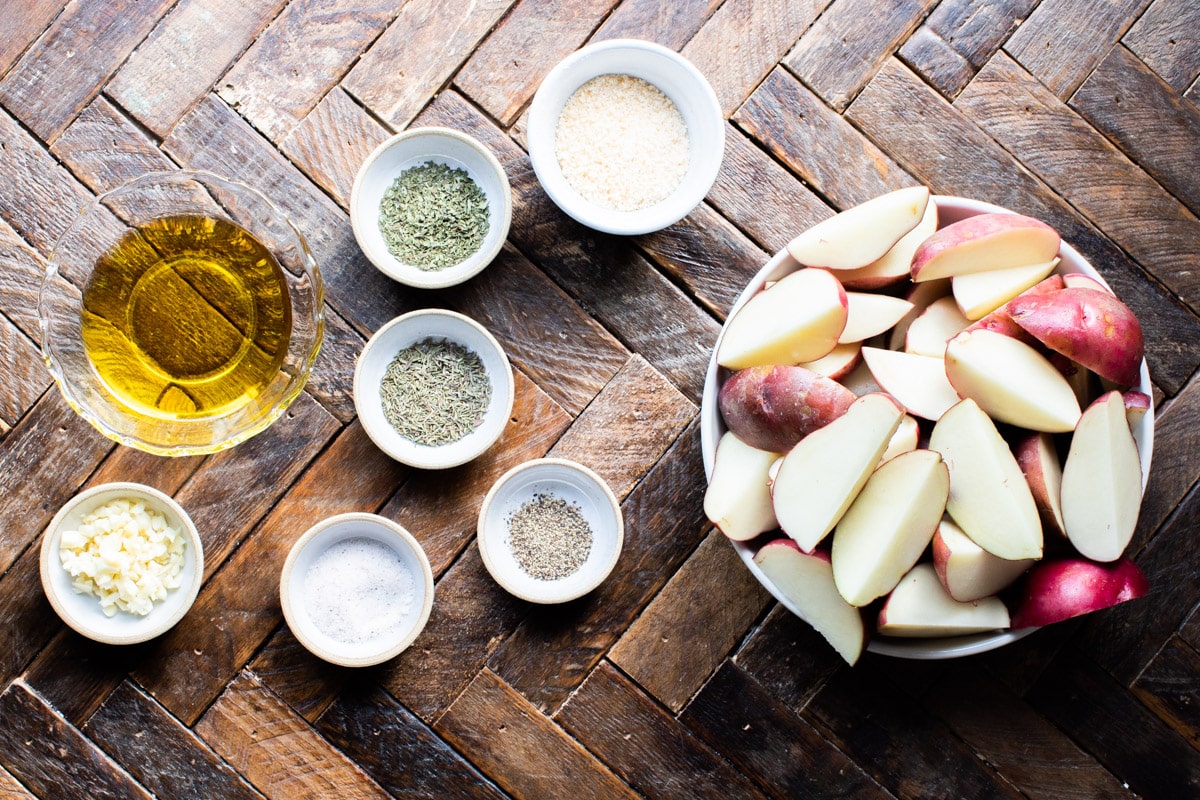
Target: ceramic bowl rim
pixel 485 536
pixel 424 582
pixel 409 275
pixel 65 603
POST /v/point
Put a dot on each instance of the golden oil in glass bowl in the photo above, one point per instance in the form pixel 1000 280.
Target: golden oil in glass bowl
pixel 186 316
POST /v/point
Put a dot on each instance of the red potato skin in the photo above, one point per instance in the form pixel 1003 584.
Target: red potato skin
pixel 979 226
pixel 1000 321
pixel 1088 326
pixel 1137 404
pixel 1058 590
pixel 1029 460
pixel 1081 281
pixel 774 407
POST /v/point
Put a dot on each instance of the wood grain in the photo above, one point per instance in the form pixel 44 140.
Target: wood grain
pixel 1023 746
pixel 959 37
pixel 849 42
pixel 49 85
pixel 395 79
pixel 277 751
pixel 1085 169
pixel 556 646
pixel 671 24
pixel 953 156
pixel 105 149
pixel 1054 28
pixel 506 69
pixel 1122 98
pixel 51 757
pixel 788 658
pixel 902 746
pixel 1164 38
pixel 25 22
pixel 767 201
pixel 508 736
pixel 743 41
pixel 763 737
pixel 301 680
pixel 1171 476
pixel 21 273
pixel 643 744
pixel 233 614
pixel 167 758
pixel 24 371
pixel 332 142
pixel 184 55
pixel 636 417
pixel 692 625
pixel 398 750
pixel 1167 688
pixel 301 55
pixel 41 198
pixel 817 144
pixel 1154 762
pixel 27 622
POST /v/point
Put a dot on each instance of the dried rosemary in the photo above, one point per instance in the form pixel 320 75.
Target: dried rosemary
pixel 433 216
pixel 549 537
pixel 435 392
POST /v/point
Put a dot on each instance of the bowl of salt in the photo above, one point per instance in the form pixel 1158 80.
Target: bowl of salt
pixel 356 589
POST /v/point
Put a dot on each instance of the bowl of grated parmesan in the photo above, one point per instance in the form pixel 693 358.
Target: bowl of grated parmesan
pixel 626 136
pixel 121 563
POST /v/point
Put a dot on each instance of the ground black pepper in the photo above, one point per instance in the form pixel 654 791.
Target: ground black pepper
pixel 549 537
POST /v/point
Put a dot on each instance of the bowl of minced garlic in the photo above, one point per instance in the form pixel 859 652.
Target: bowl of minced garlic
pixel 626 136
pixel 121 563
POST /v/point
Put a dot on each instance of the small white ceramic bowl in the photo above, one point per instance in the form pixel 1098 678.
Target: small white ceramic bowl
pixel 310 547
pixel 82 611
pixel 580 487
pixel 950 209
pixel 411 149
pixel 405 331
pixel 678 79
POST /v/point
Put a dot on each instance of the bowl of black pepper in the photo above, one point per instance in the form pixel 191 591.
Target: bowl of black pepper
pixel 550 530
pixel 431 207
pixel 433 389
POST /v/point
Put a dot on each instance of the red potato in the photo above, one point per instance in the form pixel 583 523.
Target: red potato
pixel 862 234
pixel 984 242
pixel 999 320
pixel 1137 404
pixel 894 265
pixel 771 408
pixel 1088 326
pixel 1039 462
pixel 1058 590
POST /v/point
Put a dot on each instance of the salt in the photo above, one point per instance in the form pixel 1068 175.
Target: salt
pixel 358 590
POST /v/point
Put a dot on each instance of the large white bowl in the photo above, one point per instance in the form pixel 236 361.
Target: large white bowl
pixel 674 76
pixel 950 209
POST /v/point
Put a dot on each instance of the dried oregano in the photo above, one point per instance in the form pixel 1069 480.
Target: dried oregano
pixel 433 216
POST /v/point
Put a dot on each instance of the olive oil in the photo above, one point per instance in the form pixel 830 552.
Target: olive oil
pixel 186 317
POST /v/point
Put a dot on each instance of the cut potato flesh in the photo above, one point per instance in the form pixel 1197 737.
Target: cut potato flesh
pixel 862 234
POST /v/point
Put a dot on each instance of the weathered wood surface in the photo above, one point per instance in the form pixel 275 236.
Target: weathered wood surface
pixel 680 676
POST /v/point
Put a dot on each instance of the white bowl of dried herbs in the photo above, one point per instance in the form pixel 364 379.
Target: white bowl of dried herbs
pixel 433 389
pixel 431 207
pixel 550 530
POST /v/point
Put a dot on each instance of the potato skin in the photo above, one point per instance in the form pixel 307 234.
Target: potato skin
pixel 773 407
pixel 1000 321
pixel 1088 326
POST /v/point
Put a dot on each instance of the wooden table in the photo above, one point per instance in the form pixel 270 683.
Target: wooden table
pixel 679 677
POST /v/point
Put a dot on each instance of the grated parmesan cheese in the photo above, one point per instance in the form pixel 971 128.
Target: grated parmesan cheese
pixel 125 554
pixel 621 143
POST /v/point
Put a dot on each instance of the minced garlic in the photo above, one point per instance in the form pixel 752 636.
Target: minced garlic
pixel 622 143
pixel 125 554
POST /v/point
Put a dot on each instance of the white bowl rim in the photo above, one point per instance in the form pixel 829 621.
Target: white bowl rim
pixel 448 455
pixel 711 428
pixel 143 628
pixel 457 273
pixel 583 475
pixel 625 223
pixel 424 583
